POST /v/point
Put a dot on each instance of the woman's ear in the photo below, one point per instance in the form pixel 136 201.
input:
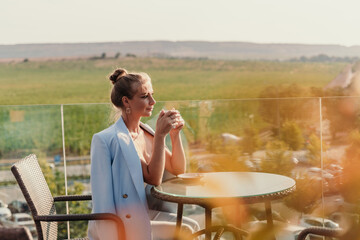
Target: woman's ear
pixel 125 101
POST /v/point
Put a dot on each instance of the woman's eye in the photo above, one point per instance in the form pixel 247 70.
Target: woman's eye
pixel 145 96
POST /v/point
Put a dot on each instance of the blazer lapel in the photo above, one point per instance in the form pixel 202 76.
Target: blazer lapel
pixel 131 158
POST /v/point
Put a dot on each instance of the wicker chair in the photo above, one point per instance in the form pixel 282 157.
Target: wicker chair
pixel 37 194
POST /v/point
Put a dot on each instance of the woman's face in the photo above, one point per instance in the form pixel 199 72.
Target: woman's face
pixel 142 104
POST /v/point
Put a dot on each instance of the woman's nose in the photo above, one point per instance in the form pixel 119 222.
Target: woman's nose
pixel 152 100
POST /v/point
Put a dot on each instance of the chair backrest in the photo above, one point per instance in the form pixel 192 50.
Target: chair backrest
pixel 37 194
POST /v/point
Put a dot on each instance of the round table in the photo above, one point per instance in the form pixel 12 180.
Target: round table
pixel 217 189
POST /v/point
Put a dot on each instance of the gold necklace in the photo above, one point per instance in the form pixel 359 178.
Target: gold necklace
pixel 133 136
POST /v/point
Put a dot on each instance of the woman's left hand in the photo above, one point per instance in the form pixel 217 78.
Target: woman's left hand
pixel 178 123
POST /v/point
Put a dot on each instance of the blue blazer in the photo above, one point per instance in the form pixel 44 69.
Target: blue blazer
pixel 117 184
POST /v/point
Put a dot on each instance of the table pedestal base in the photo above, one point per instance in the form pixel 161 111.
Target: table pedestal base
pixel 219 230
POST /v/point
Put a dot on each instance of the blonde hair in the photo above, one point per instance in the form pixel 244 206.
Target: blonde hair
pixel 125 85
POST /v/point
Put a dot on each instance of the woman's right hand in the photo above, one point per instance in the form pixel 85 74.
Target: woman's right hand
pixel 166 121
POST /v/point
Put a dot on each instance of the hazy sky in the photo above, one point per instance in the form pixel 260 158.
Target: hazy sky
pixel 261 21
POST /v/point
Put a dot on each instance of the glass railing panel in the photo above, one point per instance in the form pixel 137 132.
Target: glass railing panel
pixel 25 130
pixel 81 121
pixel 267 135
pixel 341 163
pixel 295 151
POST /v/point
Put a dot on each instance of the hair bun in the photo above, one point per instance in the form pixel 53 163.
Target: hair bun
pixel 117 74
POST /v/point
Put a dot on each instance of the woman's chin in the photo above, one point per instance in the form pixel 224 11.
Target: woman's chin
pixel 148 114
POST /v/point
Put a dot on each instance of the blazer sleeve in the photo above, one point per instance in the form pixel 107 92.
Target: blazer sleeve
pixel 101 177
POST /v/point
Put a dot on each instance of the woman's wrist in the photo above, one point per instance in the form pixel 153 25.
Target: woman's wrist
pixel 159 136
pixel 175 139
pixel 174 135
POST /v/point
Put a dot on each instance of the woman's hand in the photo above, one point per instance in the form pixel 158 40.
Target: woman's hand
pixel 178 125
pixel 174 161
pixel 167 121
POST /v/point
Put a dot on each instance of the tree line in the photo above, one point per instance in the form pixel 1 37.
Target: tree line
pixel 324 58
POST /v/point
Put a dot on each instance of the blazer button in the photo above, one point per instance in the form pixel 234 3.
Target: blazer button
pixel 128 216
pixel 125 195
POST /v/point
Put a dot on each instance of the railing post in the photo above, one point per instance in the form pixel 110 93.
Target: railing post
pixel 64 157
pixel 321 159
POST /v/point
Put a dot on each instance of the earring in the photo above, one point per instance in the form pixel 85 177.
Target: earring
pixel 128 110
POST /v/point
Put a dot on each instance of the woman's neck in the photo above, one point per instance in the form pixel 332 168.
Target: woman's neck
pixel 131 123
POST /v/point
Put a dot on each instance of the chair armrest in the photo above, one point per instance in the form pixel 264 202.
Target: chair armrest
pixel 77 217
pixel 322 231
pixel 72 198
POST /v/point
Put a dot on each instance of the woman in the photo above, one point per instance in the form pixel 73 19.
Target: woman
pixel 129 153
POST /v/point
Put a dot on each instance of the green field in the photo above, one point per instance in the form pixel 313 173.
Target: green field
pixel 85 81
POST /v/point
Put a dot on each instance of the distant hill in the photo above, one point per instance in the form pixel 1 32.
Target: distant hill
pixel 192 49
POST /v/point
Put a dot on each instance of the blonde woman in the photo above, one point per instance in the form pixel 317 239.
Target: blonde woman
pixel 128 154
